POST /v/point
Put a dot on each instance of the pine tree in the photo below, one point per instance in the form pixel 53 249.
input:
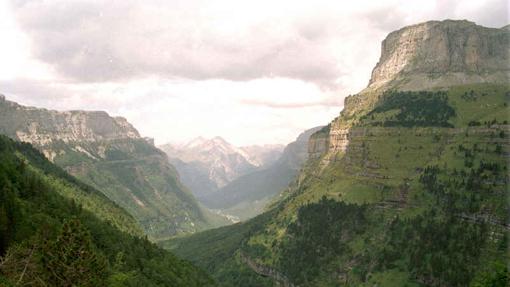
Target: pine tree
pixel 71 260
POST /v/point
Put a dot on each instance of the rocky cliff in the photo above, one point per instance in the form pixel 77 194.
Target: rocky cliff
pixel 41 126
pixel 430 55
pixel 461 51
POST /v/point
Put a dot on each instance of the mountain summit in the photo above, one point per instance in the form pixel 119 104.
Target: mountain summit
pixel 442 53
pixel 208 164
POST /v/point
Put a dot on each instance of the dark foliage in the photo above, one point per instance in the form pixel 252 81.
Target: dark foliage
pixel 48 240
pixel 414 109
pixel 319 235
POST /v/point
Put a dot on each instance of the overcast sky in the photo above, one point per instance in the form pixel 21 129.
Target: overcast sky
pixel 253 72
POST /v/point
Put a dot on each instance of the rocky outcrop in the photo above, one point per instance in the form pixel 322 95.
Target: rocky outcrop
pixel 41 127
pixel 296 153
pixel 434 54
pixel 461 49
pixel 318 143
pixel 266 271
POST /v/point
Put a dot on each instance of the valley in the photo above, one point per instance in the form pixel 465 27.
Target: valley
pixel 407 186
pixel 228 181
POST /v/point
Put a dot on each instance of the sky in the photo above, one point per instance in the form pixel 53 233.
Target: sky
pixel 252 72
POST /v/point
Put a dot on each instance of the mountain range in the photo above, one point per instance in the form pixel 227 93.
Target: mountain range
pixel 205 165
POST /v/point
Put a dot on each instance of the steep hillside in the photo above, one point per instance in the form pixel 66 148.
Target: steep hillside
pixel 58 231
pixel 407 187
pixel 249 194
pixel 109 154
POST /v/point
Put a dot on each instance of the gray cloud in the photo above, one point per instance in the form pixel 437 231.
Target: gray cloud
pixel 295 105
pixel 57 95
pixel 40 93
pixel 101 41
pixel 96 41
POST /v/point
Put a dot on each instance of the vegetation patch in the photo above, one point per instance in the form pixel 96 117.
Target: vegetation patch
pixel 412 109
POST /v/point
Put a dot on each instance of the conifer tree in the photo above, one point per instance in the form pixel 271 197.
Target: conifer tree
pixel 71 260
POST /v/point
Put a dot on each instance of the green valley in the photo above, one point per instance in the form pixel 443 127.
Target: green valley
pixel 407 185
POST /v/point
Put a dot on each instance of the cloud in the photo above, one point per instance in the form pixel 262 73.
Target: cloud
pixel 115 40
pixel 97 41
pixel 181 110
pixel 296 105
pixel 251 71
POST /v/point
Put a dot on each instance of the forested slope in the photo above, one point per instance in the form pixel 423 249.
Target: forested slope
pixel 57 231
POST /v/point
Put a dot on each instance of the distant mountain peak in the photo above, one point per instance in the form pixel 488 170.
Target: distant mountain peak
pixel 195 142
pixel 218 139
pixel 208 164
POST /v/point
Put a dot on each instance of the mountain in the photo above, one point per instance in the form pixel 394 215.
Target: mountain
pixel 205 165
pixel 263 155
pixel 109 154
pixel 247 195
pixel 447 53
pixel 407 187
pixel 58 231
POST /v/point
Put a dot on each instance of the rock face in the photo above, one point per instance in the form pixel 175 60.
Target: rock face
pixel 439 48
pixel 318 143
pixel 266 271
pixel 434 54
pixel 295 154
pixel 109 154
pixel 41 127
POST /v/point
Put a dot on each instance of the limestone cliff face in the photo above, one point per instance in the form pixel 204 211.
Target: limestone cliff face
pixel 434 54
pixel 41 127
pixel 318 143
pixel 439 48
